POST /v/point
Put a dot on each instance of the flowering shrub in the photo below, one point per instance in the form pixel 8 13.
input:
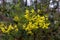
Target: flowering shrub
pixel 35 21
pixel 7 28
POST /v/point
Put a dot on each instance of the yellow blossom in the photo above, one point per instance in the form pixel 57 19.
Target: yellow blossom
pixel 24 26
pixel 16 18
pixel 27 11
pixel 45 25
pixel 16 29
pixel 34 26
pixel 2 24
pixel 39 11
pixel 27 16
pixel 38 16
pixel 42 18
pixel 41 24
pixel 33 17
pixel 10 27
pixel 3 30
pixel 27 28
pixel 6 27
pixel 30 32
pixel 35 21
pixel 32 10
pixel 15 26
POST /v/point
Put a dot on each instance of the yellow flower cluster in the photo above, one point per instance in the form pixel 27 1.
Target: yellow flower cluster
pixel 32 11
pixel 35 21
pixel 27 14
pixel 6 29
pixel 39 11
pixel 16 18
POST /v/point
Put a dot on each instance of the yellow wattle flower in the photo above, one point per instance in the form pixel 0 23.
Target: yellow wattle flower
pixel 41 24
pixel 10 27
pixel 6 27
pixel 15 26
pixel 42 18
pixel 3 30
pixel 30 32
pixel 32 11
pixel 34 17
pixel 24 26
pixel 35 21
pixel 34 26
pixel 27 28
pixel 27 11
pixel 27 16
pixel 46 17
pixel 16 18
pixel 16 29
pixel 38 16
pixel 39 11
pixel 2 24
